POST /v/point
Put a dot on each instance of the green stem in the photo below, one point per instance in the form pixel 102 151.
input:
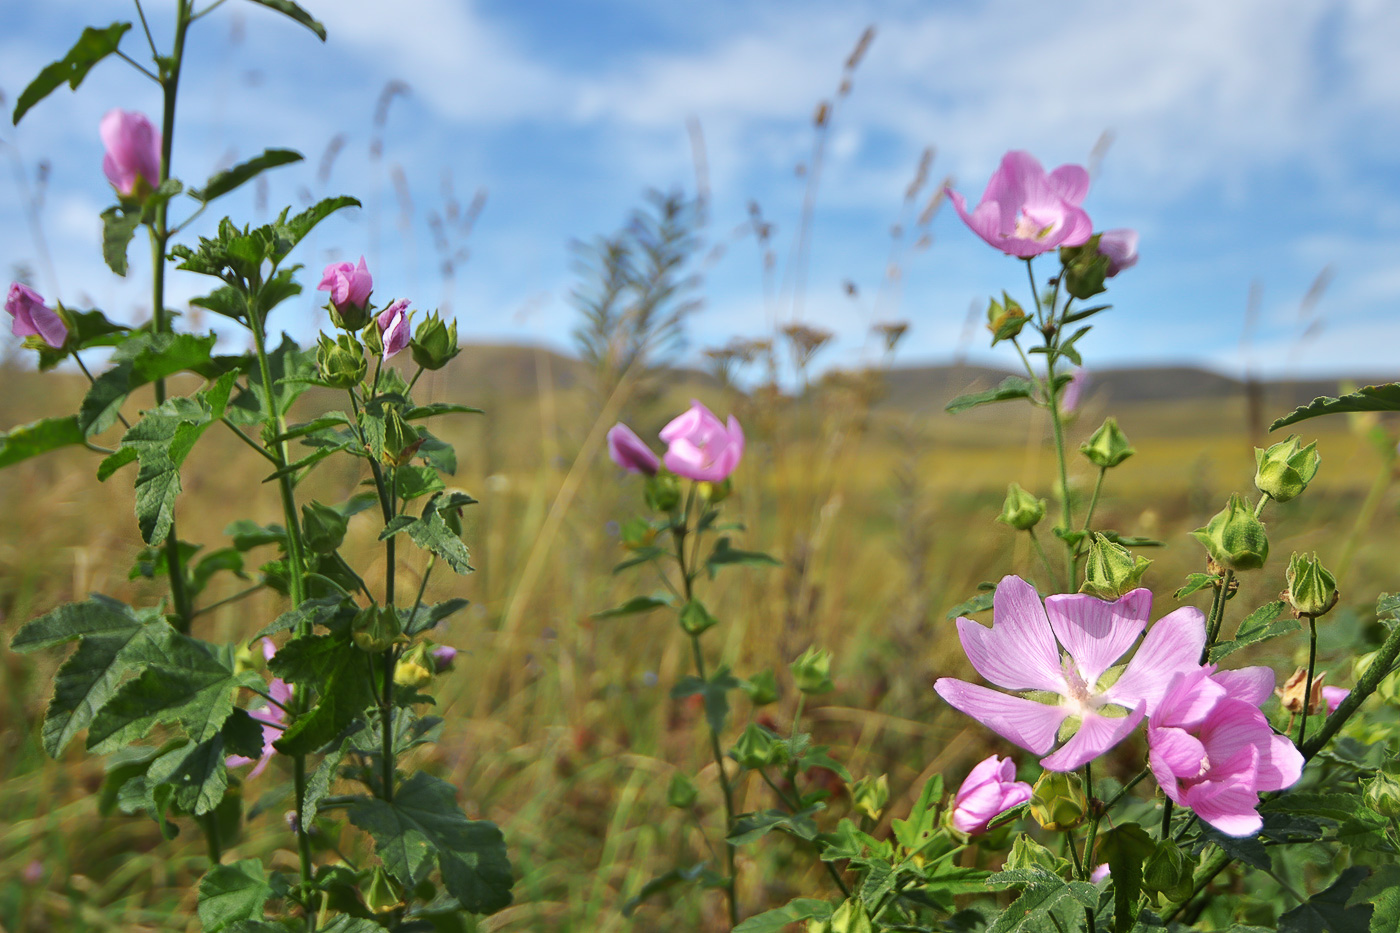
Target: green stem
pixel 241 594
pixel 817 845
pixel 1123 791
pixel 1307 684
pixel 1204 876
pixel 1379 667
pixel 1066 522
pixel 303 836
pixel 1217 613
pixel 1092 835
pixel 1045 558
pixel 91 381
pixel 1094 499
pixel 1165 834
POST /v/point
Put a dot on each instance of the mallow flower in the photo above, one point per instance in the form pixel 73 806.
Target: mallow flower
pixel 32 316
pixel 1025 212
pixel 271 716
pixel 393 326
pixel 1059 653
pixel 1120 246
pixel 348 284
pixel 989 790
pixel 1211 748
pixel 133 152
pixel 701 447
pixel 630 452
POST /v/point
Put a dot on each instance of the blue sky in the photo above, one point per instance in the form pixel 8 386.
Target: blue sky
pixel 1252 142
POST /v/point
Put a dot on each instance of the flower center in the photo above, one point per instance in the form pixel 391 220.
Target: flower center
pixel 1031 227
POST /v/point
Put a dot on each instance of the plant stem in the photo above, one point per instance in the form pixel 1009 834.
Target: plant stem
pixel 1307 684
pixel 1045 558
pixel 1090 839
pixel 1217 613
pixel 1094 499
pixel 1379 667
pixel 1204 876
pixel 1165 834
pixel 1066 522
pixel 1123 791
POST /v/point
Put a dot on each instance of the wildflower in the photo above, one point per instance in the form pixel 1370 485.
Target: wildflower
pixel 989 790
pixel 443 656
pixel 1120 246
pixel 1025 212
pixel 1069 395
pixel 32 317
pixel 393 327
pixel 271 716
pixel 350 288
pixel 435 343
pixel 1022 652
pixel 701 447
pixel 1211 748
pixel 630 452
pixel 132 162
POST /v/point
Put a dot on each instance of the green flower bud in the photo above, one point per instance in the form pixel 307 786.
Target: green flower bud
pixel 870 796
pixel 1005 318
pixel 377 629
pixel 812 671
pixel 682 792
pixel 322 527
pixel 714 492
pixel 1382 794
pixel 695 618
pixel 762 688
pixel 850 917
pixel 1168 872
pixel 1234 538
pixel 1027 854
pixel 373 341
pixel 341 361
pixel 1312 590
pixel 382 896
pixel 434 343
pixel 1108 446
pixel 1085 268
pixel 663 491
pixel 1021 510
pixel 349 317
pixel 1111 569
pixel 758 748
pixel 415 668
pixel 1058 802
pixel 401 441
pixel 1284 470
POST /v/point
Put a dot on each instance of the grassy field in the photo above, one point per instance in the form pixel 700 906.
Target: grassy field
pixel 560 727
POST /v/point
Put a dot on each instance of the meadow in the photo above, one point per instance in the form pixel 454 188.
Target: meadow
pixel 559 726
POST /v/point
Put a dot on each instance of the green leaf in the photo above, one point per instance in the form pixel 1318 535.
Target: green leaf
pixel 39 437
pixel 423 825
pixel 1328 910
pixel 118 227
pixel 92 46
pixel 295 230
pixel 99 615
pixel 288 8
pixel 221 183
pixel 1259 626
pixel 196 773
pixel 1011 387
pixel 724 555
pixel 715 692
pixel 142 359
pixel 753 826
pixel 440 408
pixel 1196 581
pixel 634 606
pixel 979 603
pixel 1382 891
pixel 1046 903
pixel 918 830
pixel 225 300
pixel 335 667
pixel 313 612
pixel 1126 848
pixel 318 786
pixel 232 892
pixel 85 329
pixel 410 481
pixel 699 873
pixel 427 619
pixel 1371 398
pixel 777 919
pixel 431 533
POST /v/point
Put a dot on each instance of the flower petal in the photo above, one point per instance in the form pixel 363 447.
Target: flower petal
pixel 1029 724
pixel 1172 646
pixel 1096 735
pixel 1018 652
pixel 1253 685
pixel 1070 182
pixel 1097 633
pixel 1280 764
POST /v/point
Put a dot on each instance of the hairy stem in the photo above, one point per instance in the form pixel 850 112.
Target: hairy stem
pixel 1307 684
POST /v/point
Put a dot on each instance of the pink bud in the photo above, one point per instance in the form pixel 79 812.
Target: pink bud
pixel 990 790
pixel 1120 246
pixel 32 316
pixel 443 656
pixel 630 452
pixel 349 285
pixel 701 447
pixel 393 327
pixel 133 151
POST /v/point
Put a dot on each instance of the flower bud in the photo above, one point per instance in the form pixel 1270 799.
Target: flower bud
pixel 401 441
pixel 812 671
pixel 132 159
pixel 1108 446
pixel 350 288
pixel 1234 538
pixel 435 343
pixel 1057 801
pixel 695 618
pixel 33 318
pixel 413 674
pixel 631 453
pixel 382 895
pixel 322 527
pixel 1382 794
pixel 850 917
pixel 1284 470
pixel 392 324
pixel 1021 510
pixel 1168 872
pixel 377 629
pixel 1295 692
pixel 1005 318
pixel 761 688
pixel 869 796
pixel 341 361
pixel 1111 569
pixel 663 492
pixel 682 792
pixel 1120 246
pixel 443 656
pixel 1085 268
pixel 758 748
pixel 1312 590
pixel 714 492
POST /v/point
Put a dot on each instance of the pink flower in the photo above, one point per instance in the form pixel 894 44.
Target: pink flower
pixel 1025 212
pixel 630 452
pixel 271 716
pixel 1026 648
pixel 989 790
pixel 349 285
pixel 32 316
pixel 1069 397
pixel 443 656
pixel 1211 749
pixel 393 325
pixel 133 151
pixel 1120 246
pixel 1333 697
pixel 1101 873
pixel 701 447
